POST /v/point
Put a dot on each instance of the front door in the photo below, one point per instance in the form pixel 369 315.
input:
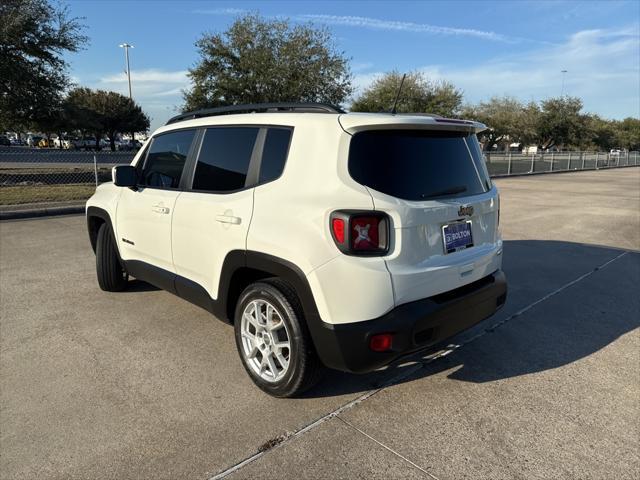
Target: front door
pixel 144 214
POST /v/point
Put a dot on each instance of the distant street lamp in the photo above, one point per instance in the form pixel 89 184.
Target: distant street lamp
pixel 561 90
pixel 126 47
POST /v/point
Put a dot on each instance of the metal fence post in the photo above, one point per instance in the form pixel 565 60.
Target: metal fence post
pixel 509 165
pixel 533 162
pixel 597 159
pixel 552 159
pixel 95 168
pixel 582 157
pixel 569 162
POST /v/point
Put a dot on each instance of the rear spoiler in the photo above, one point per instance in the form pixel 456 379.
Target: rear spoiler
pixel 355 122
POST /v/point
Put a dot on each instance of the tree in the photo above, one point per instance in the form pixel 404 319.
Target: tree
pixel 601 133
pixel 258 60
pixel 561 123
pixel 628 134
pixel 502 116
pixel 34 35
pixel 101 112
pixel 118 114
pixel 418 95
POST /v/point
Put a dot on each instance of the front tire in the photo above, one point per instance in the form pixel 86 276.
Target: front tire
pixel 273 340
pixel 111 275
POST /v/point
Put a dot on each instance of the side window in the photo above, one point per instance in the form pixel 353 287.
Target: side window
pixel 166 159
pixel 274 154
pixel 224 158
pixel 140 164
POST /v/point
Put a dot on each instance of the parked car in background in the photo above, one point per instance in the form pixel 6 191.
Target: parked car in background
pixel 615 152
pixel 64 143
pixel 45 143
pixel 4 141
pixel 33 140
pixel 128 146
pixel 89 143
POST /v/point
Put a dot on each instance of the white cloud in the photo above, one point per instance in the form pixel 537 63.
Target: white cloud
pixel 159 92
pixel 220 11
pixel 603 69
pixel 372 23
pixel 379 24
pixel 151 76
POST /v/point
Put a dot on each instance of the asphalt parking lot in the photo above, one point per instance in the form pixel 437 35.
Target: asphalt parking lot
pixel 141 384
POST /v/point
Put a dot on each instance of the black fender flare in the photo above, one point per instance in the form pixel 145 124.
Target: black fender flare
pixel 97 212
pixel 321 333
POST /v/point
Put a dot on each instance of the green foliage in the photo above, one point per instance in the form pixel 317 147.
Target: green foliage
pixel 101 112
pixel 557 122
pixel 561 123
pixel 258 60
pixel 418 95
pixel 628 133
pixel 504 117
pixel 33 37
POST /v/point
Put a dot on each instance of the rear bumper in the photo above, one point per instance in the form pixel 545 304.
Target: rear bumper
pixel 415 326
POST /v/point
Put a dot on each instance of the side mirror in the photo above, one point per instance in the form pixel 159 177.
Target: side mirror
pixel 124 176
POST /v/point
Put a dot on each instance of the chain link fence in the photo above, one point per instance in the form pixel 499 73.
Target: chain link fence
pixel 47 177
pixel 37 177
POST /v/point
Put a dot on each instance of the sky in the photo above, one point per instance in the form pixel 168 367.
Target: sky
pixel 485 48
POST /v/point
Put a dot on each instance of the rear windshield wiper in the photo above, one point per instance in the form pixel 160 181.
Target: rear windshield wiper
pixel 448 191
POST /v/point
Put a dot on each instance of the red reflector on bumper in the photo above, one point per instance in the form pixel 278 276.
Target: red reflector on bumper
pixel 381 342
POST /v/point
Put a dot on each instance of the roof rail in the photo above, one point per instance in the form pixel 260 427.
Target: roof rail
pixel 258 107
pixel 419 114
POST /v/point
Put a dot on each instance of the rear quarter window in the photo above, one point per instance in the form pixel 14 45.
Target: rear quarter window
pixel 274 153
pixel 418 164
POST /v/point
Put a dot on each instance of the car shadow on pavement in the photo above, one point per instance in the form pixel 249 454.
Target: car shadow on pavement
pixel 581 319
pixel 136 285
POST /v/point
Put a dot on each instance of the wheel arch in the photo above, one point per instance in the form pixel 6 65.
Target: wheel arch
pixel 97 216
pixel 241 268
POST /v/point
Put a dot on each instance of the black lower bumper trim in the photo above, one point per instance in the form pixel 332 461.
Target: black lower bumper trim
pixel 414 325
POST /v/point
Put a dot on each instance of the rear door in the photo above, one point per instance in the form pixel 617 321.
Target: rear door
pixel 144 215
pixel 444 209
pixel 212 217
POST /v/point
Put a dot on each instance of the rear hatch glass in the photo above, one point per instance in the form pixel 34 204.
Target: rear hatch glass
pixel 419 164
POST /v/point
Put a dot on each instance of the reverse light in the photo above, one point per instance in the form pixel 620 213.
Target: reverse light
pixel 381 342
pixel 358 232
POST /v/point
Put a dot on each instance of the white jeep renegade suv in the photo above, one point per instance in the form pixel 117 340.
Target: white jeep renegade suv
pixel 326 238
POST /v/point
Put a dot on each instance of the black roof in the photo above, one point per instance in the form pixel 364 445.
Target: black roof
pixel 258 107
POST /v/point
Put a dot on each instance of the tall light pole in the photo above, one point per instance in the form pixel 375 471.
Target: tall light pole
pixel 561 90
pixel 126 47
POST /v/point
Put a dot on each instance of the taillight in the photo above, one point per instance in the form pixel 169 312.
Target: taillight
pixel 381 342
pixel 357 232
pixel 337 228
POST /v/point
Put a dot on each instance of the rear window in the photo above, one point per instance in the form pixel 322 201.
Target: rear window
pixel 418 164
pixel 223 163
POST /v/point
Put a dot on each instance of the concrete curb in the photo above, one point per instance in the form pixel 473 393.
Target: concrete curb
pixel 41 212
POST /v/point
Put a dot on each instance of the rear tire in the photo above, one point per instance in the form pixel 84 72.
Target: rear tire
pixel 111 275
pixel 272 335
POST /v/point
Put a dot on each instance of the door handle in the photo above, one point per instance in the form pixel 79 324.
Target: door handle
pixel 228 219
pixel 160 209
